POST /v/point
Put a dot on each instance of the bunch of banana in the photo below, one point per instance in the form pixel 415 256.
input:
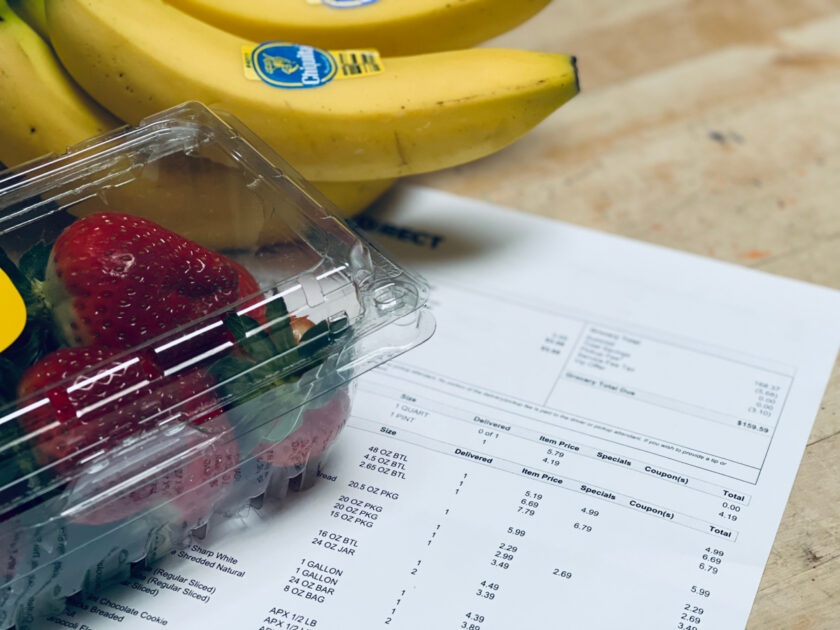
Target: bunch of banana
pixel 387 117
pixel 350 120
pixel 42 110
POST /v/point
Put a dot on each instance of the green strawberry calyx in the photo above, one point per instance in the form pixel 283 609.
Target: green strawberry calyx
pixel 262 382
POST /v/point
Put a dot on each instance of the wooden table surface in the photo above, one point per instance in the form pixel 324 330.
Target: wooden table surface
pixel 713 127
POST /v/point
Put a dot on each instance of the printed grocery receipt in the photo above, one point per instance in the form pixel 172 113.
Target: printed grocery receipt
pixel 601 434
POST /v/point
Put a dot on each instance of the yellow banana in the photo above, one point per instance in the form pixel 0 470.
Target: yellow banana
pixel 420 113
pixel 41 109
pixel 32 12
pixel 394 27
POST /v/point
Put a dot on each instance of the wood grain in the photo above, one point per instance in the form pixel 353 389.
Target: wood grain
pixel 709 126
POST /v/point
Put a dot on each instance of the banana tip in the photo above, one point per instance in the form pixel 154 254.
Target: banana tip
pixel 577 74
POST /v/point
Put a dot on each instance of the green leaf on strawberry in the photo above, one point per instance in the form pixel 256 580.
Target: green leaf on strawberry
pixel 261 380
pixel 253 341
pixel 33 263
pixel 314 340
pixel 282 332
pixel 28 274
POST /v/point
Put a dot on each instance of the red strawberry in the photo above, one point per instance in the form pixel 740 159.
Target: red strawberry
pixel 116 280
pixel 194 467
pixel 318 428
pixel 248 286
pixel 121 396
pixel 126 396
pixel 201 483
pixel 265 389
pixel 319 424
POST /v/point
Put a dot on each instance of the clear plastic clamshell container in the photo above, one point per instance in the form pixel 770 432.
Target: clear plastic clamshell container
pixel 182 319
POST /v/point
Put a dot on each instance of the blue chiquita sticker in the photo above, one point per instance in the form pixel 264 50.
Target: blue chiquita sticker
pixel 286 65
pixel 347 4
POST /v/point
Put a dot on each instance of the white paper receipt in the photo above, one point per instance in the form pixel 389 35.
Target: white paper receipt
pixel 601 434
